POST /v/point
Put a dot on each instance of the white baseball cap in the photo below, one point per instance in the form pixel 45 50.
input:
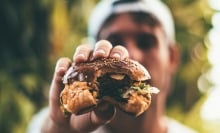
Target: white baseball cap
pixel 106 8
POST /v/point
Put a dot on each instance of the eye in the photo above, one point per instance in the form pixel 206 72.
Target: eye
pixel 146 41
pixel 115 39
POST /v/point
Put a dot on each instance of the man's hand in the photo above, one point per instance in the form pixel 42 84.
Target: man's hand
pixel 102 114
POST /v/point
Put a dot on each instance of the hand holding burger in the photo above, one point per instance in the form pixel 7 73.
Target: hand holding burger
pixel 121 82
pixel 99 91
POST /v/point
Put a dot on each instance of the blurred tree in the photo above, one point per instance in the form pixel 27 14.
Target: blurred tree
pixel 192 25
pixel 24 67
pixel 193 21
pixel 33 35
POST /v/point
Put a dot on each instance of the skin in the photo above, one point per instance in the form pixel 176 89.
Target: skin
pixel 160 60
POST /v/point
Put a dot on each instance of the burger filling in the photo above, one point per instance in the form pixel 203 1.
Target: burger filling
pixel 120 87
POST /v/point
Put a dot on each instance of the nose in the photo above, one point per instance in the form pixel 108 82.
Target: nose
pixel 134 52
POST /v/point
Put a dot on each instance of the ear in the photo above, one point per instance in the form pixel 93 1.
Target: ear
pixel 174 57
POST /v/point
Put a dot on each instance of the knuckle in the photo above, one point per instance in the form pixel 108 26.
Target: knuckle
pixel 102 49
pixel 104 44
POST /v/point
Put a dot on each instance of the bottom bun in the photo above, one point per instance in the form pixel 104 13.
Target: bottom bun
pixel 77 98
pixel 135 105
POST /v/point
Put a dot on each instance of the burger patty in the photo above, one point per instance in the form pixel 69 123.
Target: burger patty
pixel 113 87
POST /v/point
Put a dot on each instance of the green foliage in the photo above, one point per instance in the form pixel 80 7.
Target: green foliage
pixel 192 25
pixel 24 67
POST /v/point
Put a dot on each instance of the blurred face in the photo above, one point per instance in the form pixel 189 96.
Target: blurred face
pixel 146 44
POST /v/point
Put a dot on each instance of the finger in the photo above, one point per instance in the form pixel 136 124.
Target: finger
pixel 119 52
pixel 103 114
pixel 56 87
pixel 88 122
pixel 82 53
pixel 102 49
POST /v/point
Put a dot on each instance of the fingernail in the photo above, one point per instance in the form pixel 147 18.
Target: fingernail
pixel 105 111
pixel 104 106
pixel 99 118
pixel 79 57
pixel 99 52
pixel 116 55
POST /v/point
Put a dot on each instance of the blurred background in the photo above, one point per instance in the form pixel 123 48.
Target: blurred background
pixel 35 33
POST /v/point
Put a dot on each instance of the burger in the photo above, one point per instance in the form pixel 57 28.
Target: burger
pixel 123 83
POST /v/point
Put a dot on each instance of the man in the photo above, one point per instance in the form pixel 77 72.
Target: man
pixel 138 29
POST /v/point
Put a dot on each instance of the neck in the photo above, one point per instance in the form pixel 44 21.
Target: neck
pixel 152 121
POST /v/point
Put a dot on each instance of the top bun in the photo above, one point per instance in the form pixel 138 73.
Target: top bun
pixel 90 71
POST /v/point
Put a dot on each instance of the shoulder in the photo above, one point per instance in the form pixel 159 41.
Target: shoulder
pixel 37 121
pixel 177 127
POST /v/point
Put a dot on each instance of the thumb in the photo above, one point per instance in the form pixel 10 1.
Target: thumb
pixel 88 122
pixel 103 114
